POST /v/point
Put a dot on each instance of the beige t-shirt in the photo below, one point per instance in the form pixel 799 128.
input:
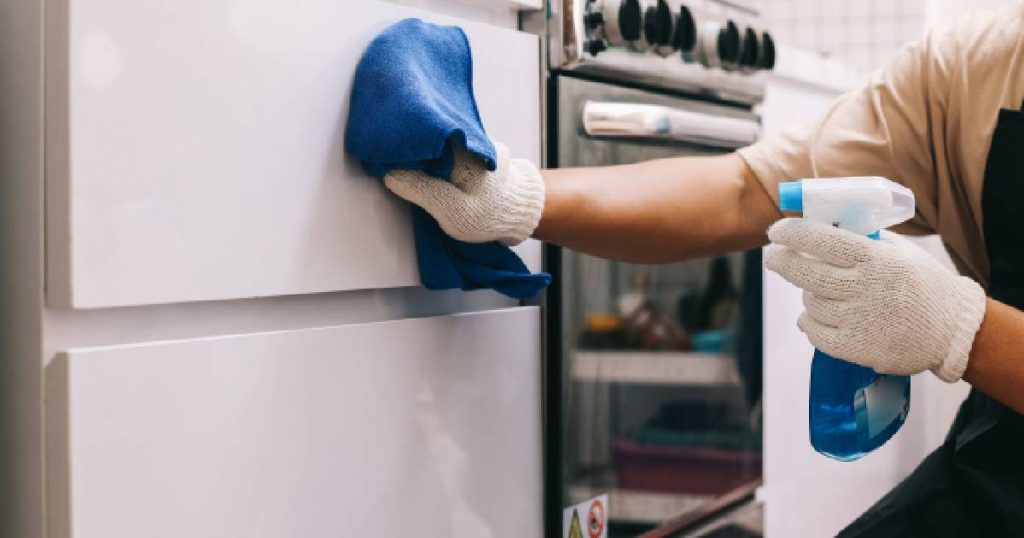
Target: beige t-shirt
pixel 925 121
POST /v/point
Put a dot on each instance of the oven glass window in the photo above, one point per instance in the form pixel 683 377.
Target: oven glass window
pixel 662 386
pixel 657 368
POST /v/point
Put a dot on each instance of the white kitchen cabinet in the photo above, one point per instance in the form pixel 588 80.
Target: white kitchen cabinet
pixel 194 149
pixel 423 427
pixel 174 200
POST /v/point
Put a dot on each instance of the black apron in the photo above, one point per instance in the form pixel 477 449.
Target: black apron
pixel 973 485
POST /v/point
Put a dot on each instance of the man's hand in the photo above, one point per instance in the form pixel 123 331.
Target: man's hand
pixel 886 304
pixel 477 205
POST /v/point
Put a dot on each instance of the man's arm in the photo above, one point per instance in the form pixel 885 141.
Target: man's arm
pixel 996 364
pixel 657 211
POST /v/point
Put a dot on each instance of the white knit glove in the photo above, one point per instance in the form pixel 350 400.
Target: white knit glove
pixel 886 304
pixel 477 205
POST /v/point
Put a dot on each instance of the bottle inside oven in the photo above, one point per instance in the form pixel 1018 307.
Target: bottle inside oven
pixel 654 370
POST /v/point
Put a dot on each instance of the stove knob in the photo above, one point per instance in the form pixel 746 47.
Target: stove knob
pixel 593 20
pixel 630 20
pixel 594 47
pixel 686 31
pixel 622 21
pixel 659 28
pixel 728 46
pixel 766 52
pixel 749 50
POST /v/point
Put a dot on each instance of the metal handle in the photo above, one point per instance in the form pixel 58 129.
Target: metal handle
pixel 603 119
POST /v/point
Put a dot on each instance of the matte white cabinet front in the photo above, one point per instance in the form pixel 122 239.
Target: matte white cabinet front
pixel 425 427
pixel 195 148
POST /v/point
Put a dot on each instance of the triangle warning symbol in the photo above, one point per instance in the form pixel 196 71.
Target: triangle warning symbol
pixel 575 531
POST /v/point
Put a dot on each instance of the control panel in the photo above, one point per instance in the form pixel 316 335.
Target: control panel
pixel 727 37
pixel 717 47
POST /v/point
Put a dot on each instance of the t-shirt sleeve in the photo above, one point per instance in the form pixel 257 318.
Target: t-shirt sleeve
pixel 891 127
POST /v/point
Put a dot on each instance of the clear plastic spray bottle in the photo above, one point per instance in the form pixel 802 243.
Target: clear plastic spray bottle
pixel 853 409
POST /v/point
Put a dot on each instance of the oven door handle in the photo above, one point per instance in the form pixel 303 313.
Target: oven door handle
pixel 606 119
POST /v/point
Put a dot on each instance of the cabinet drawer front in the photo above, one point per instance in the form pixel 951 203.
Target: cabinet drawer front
pixel 431 424
pixel 195 149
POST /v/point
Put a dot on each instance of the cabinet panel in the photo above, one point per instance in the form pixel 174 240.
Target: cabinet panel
pixel 195 149
pixel 426 427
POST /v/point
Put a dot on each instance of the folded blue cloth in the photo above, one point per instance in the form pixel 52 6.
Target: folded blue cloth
pixel 412 100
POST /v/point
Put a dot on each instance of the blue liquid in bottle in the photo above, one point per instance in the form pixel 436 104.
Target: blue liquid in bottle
pixel 853 409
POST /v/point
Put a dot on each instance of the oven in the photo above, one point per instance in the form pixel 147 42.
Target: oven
pixel 653 372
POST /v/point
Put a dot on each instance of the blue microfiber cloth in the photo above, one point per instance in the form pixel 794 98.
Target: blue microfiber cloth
pixel 412 100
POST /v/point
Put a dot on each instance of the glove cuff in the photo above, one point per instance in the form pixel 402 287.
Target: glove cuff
pixel 525 203
pixel 968 317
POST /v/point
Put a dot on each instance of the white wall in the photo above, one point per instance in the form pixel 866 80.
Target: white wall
pixel 807 494
pixel 864 34
pixel 946 11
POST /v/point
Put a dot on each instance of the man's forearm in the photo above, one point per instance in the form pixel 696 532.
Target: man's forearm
pixel 996 364
pixel 657 211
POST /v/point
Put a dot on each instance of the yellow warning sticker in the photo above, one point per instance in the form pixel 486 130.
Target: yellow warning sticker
pixel 588 519
pixel 574 528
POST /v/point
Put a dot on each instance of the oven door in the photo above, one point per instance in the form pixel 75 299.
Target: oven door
pixel 654 372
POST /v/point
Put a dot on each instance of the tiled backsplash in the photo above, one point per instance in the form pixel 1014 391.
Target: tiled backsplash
pixel 864 33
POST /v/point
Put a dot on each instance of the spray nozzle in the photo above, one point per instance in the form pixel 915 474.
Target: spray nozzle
pixel 791 196
pixel 860 204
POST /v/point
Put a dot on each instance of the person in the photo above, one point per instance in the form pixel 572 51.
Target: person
pixel 945 119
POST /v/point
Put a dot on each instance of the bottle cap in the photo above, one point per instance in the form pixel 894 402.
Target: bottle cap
pixel 791 196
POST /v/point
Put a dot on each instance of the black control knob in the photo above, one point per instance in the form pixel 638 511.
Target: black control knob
pixel 659 27
pixel 749 49
pixel 592 23
pixel 686 31
pixel 766 52
pixel 729 44
pixel 595 47
pixel 631 20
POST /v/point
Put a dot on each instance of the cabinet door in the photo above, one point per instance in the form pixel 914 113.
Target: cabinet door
pixel 424 427
pixel 195 149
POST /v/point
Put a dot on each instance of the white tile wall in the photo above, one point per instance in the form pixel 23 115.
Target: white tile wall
pixel 864 33
pixel 946 11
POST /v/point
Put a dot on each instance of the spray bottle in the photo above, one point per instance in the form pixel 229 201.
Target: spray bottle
pixel 853 409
